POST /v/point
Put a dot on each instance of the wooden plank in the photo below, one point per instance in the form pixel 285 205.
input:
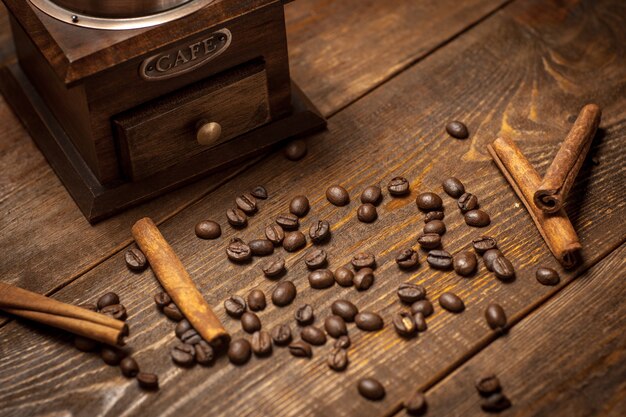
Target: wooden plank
pixel 575 364
pixel 397 130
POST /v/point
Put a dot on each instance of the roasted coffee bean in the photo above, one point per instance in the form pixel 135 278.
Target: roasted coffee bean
pixel 338 359
pixel 467 202
pixel 182 327
pixel 107 299
pixel 84 344
pixel 236 218
pixel 89 306
pixel 111 356
pixel 451 302
pixel 422 306
pixel 117 311
pixel 367 213
pixel 300 349
pixel 235 306
pixel 371 195
pixel 407 259
pixel 371 389
pixel 319 231
pixel 453 187
pixel 410 293
pixel 420 322
pixel 208 229
pixel 398 186
pixel 304 315
pixel 344 276
pixel 433 215
pixel 129 367
pixel 483 244
pixel 239 351
pixel 489 256
pixel 315 259
pixel 337 195
pixel 496 317
pixel 237 251
pixel 256 300
pixel 477 218
pixel 299 206
pixel 284 293
pixel 288 221
pixel 281 334
pixel 191 337
pixel 335 326
pixel 246 203
pixel 429 241
pixel 435 226
pixel 204 353
pixel 344 309
pixel 495 403
pixel 295 150
pixel 321 278
pixel 404 323
pixel 259 192
pixel 261 343
pixel 172 312
pixel 416 404
pixel 503 268
pixel 162 299
pixel 439 259
pixel 135 260
pixel 547 276
pixel 148 380
pixel 457 130
pixel 274 267
pixel 183 354
pixel 465 263
pixel 429 201
pixel 313 335
pixel 294 241
pixel 275 234
pixel 250 322
pixel 368 321
pixel 363 260
pixel 488 385
pixel 363 279
pixel 342 342
pixel 261 247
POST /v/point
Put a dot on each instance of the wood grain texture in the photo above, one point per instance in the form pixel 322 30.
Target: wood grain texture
pixel 577 339
pixel 397 130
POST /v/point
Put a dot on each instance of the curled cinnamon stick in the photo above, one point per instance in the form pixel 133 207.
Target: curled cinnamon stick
pixel 177 283
pixel 555 228
pixel 553 190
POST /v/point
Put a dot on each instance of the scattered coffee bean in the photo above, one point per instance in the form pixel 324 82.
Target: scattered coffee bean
pixel 398 186
pixel 451 302
pixel 300 349
pixel 344 276
pixel 429 241
pixel 416 404
pixel 235 306
pixel 367 213
pixel 435 226
pixel 477 218
pixel 84 344
pixel 319 231
pixel 237 251
pixel 274 267
pixel 294 241
pixel 148 381
pixel 453 187
pixel 299 206
pixel 503 268
pixel 281 334
pixel 288 221
pixel 465 263
pixel 239 351
pixel 439 259
pixel 344 309
pixel 409 293
pixel 495 316
pixel 363 279
pixel 246 203
pixel 204 353
pixel 135 260
pixel 457 130
pixel 182 327
pixel 488 385
pixel 284 293
pixel 321 278
pixel 495 403
pixel 129 367
pixel 489 256
pixel 371 389
pixel 111 356
pixel 107 299
pixel 313 335
pixel 433 215
pixel 338 359
pixel 483 244
pixel 547 276
pixel 208 229
pixel 420 322
pixel 467 202
pixel 363 260
pixel 256 300
pixel 117 311
pixel 315 258
pixel 342 342
pixel 295 150
pixel 304 315
pixel 250 322
pixel 337 195
pixel 259 192
pixel 371 195
pixel 335 326
pixel 261 343
pixel 162 299
pixel 275 234
pixel 191 337
pixel 407 259
pixel 172 312
pixel 236 218
pixel 429 201
pixel 368 321
pixel 183 354
pixel 261 247
pixel 422 306
pixel 404 324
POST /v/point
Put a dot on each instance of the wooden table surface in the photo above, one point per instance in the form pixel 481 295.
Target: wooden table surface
pixel 388 75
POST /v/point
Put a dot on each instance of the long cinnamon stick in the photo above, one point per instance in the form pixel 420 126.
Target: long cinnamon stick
pixel 176 281
pixel 553 190
pixel 555 228
pixel 77 320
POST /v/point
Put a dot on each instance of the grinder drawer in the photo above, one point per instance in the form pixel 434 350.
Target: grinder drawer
pixel 165 131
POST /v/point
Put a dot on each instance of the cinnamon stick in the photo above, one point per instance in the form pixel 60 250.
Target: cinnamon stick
pixel 553 190
pixel 177 283
pixel 555 228
pixel 77 320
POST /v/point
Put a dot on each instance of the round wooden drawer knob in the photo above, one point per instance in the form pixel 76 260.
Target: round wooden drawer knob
pixel 208 132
